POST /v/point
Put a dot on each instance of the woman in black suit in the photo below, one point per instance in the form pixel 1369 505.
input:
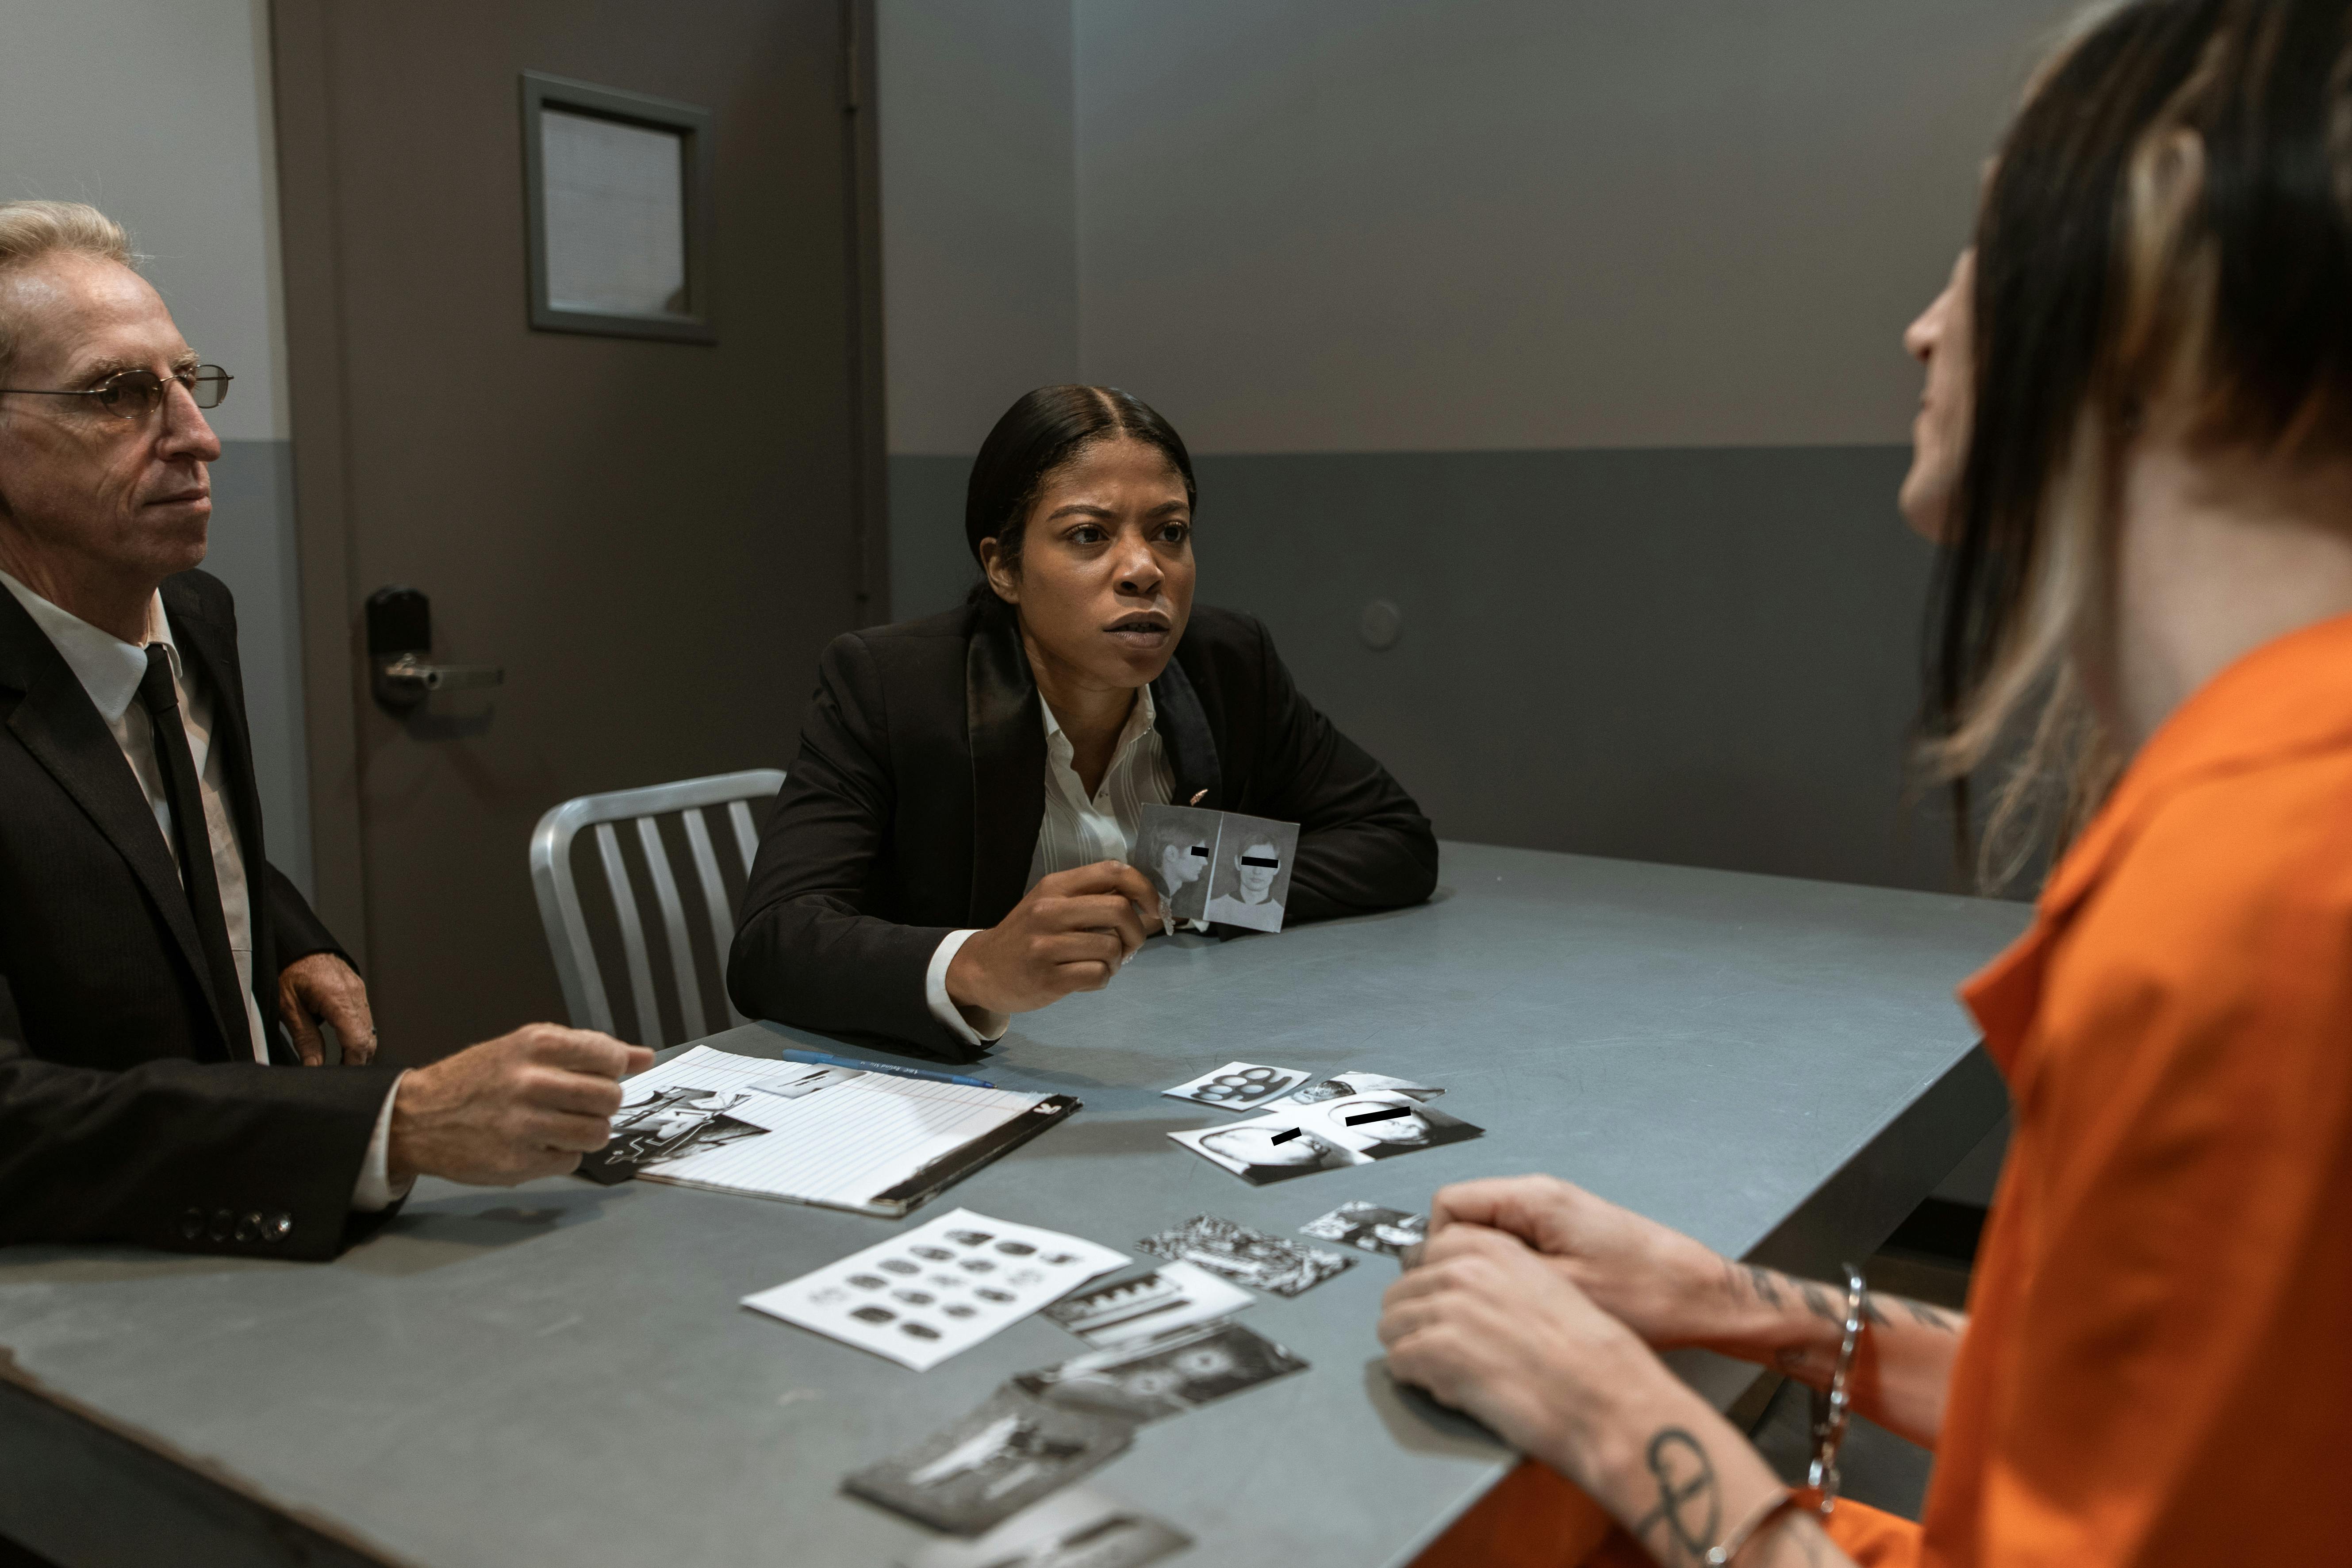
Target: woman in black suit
pixel 949 849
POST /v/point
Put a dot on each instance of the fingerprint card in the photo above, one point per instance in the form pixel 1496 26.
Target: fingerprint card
pixel 940 1288
pixel 1237 1086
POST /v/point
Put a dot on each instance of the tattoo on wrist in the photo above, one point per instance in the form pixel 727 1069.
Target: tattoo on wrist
pixel 1690 1510
pixel 1928 1317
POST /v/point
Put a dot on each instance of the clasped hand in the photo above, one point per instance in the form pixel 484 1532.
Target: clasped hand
pixel 1532 1301
pixel 1072 933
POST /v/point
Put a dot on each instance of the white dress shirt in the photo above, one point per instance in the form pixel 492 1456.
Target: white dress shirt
pixel 1078 830
pixel 111 670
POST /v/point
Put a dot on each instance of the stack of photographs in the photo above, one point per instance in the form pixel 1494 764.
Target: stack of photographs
pixel 1246 1257
pixel 1370 1228
pixel 1298 1140
pixel 1162 1343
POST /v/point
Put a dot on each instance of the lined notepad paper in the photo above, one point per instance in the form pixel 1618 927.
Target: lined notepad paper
pixel 870 1142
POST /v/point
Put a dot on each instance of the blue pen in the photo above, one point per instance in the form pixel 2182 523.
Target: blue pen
pixel 819 1059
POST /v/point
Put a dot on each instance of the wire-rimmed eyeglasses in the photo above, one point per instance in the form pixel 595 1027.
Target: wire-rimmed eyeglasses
pixel 135 394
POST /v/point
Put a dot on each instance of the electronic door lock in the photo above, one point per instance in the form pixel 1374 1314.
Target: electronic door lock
pixel 400 641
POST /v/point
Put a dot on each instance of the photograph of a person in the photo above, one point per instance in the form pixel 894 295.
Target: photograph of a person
pixel 1369 1227
pixel 1247 1255
pixel 1165 1379
pixel 1174 845
pixel 669 1124
pixel 1250 877
pixel 1269 1150
pixel 1339 1086
pixel 1383 1126
pixel 995 1462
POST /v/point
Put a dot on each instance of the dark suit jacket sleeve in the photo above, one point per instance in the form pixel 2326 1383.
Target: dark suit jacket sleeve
pixel 189 1156
pixel 296 930
pixel 1363 845
pixel 817 947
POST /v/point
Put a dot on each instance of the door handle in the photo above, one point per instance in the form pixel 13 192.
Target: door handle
pixel 400 642
pixel 413 678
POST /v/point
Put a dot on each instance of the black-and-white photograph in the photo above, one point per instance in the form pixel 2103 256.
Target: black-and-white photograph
pixel 1079 1527
pixel 1369 1227
pixel 1292 1141
pixel 1165 1378
pixel 669 1124
pixel 1249 875
pixel 1173 1297
pixel 1269 1149
pixel 996 1461
pixel 1246 1256
pixel 1339 1085
pixel 1238 1086
pixel 1379 1126
pixel 1173 847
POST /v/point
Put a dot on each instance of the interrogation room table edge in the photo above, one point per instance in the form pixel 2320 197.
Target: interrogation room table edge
pixel 560 1373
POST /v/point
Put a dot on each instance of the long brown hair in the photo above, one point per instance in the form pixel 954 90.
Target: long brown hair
pixel 2166 235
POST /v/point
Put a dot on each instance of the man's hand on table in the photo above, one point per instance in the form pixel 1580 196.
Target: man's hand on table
pixel 1071 933
pixel 522 1106
pixel 324 989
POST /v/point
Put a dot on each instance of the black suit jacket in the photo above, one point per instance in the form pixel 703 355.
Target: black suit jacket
pixel 914 807
pixel 121 1116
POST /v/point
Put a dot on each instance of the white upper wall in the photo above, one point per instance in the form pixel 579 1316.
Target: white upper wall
pixel 158 112
pixel 1393 224
pixel 980 243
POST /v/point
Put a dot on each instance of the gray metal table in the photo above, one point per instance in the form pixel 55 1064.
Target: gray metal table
pixel 561 1374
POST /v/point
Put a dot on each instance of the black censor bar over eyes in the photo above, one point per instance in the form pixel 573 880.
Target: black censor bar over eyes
pixel 1265 860
pixel 1283 1137
pixel 1393 1110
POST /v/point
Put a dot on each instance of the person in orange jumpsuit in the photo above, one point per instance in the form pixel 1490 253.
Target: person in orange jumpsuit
pixel 2136 451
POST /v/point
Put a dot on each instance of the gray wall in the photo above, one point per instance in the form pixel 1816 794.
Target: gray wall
pixel 157 111
pixel 1571 327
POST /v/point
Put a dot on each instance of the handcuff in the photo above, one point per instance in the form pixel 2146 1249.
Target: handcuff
pixel 1833 1409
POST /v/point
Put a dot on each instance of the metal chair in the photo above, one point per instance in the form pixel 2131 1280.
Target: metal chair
pixel 567 926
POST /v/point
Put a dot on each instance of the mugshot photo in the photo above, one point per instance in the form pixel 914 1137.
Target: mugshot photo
pixel 1174 845
pixel 1249 876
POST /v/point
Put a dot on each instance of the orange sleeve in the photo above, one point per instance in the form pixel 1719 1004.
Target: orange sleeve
pixel 2173 1385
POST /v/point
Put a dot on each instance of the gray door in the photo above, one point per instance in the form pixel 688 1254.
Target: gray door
pixel 652 538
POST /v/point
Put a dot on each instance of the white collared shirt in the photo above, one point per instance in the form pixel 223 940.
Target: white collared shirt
pixel 110 671
pixel 1078 830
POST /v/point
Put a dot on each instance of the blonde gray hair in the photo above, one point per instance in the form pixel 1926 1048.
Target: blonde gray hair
pixel 30 230
pixel 2164 254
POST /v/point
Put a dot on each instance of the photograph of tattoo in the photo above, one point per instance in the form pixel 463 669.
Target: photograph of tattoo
pixel 1689 1512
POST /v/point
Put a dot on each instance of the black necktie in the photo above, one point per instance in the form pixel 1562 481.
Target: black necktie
pixel 194 841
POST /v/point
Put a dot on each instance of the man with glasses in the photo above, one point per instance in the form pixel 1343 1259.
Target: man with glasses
pixel 159 980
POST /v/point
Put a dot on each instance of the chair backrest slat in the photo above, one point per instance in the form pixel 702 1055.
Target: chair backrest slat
pixel 633 933
pixel 746 837
pixel 714 896
pixel 562 914
pixel 681 950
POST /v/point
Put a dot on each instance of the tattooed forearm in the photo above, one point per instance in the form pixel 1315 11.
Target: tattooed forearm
pixel 1928 1317
pixel 1688 1518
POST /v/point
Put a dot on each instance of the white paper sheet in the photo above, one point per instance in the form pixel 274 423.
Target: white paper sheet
pixel 940 1288
pixel 832 1136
